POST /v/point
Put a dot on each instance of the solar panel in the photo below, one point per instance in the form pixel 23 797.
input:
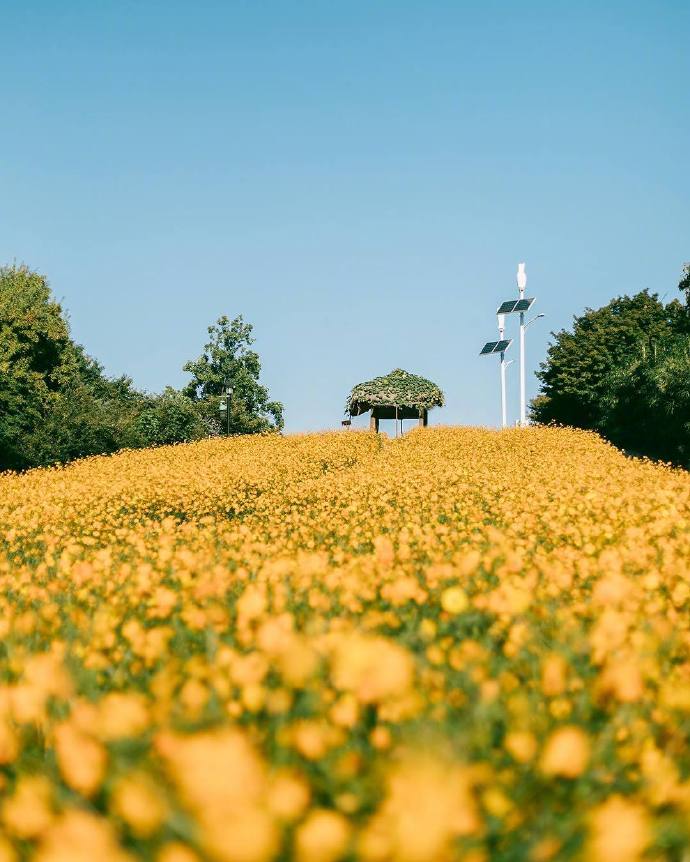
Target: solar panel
pixel 524 304
pixel 514 305
pixel 495 346
pixel 507 307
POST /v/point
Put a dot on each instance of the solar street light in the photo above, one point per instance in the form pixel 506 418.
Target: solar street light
pixel 522 305
pixel 500 347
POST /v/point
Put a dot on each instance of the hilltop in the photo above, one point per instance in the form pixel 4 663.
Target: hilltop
pixel 338 645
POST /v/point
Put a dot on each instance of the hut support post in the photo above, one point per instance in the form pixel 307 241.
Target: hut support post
pixel 374 423
pixel 423 417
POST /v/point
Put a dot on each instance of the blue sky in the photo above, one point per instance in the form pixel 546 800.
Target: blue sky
pixel 358 179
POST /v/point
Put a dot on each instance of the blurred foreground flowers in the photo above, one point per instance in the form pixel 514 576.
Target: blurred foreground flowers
pixel 457 645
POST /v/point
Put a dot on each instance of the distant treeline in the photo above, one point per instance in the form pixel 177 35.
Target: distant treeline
pixel 57 403
pixel 624 371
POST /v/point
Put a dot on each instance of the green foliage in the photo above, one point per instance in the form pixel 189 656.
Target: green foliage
pixel 647 406
pixel 576 376
pixel 624 371
pixel 37 360
pixel 399 388
pixel 171 417
pixel 228 360
pixel 57 403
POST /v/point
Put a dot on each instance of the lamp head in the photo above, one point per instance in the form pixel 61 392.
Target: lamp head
pixel 521 276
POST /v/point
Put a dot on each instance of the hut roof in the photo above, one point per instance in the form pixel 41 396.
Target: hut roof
pixel 397 389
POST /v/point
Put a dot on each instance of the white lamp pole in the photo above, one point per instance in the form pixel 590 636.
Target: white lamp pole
pixel 501 335
pixel 522 284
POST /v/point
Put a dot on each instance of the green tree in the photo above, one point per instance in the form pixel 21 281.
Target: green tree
pixel 576 376
pixel 647 406
pixel 229 360
pixel 36 359
pixel 56 403
pixel 171 417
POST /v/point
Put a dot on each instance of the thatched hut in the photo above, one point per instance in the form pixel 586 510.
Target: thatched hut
pixel 399 395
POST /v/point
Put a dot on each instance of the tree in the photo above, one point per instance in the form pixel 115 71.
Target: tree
pixel 647 406
pixel 228 360
pixel 56 403
pixel 576 375
pixel 36 358
pixel 171 417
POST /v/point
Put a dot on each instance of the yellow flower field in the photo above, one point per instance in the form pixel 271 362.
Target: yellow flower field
pixel 462 644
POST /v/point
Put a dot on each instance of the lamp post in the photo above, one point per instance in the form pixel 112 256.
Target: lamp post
pixel 499 347
pixel 224 407
pixel 228 393
pixel 514 306
pixel 501 336
pixel 522 284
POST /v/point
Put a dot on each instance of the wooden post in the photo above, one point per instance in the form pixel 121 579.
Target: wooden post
pixel 422 411
pixel 374 423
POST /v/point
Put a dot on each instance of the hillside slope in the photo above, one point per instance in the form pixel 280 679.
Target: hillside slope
pixel 459 644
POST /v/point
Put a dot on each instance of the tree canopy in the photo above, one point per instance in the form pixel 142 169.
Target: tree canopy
pixel 228 360
pixel 646 409
pixel 624 370
pixel 57 403
pixel 576 374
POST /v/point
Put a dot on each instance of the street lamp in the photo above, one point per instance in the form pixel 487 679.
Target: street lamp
pixel 224 406
pixel 520 306
pixel 527 325
pixel 228 393
pixel 522 284
pixel 500 348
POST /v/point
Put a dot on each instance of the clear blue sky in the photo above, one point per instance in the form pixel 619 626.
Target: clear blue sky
pixel 358 179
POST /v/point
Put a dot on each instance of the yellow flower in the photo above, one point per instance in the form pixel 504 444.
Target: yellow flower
pixel 122 715
pixel 619 831
pixel 288 796
pixel 9 742
pixel 521 744
pixel 323 837
pixel 79 836
pixel 176 852
pixel 27 813
pixel 373 668
pixel 247 836
pixel 139 803
pixel 82 759
pixel 566 753
pixel 7 851
pixel 553 675
pixel 454 600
